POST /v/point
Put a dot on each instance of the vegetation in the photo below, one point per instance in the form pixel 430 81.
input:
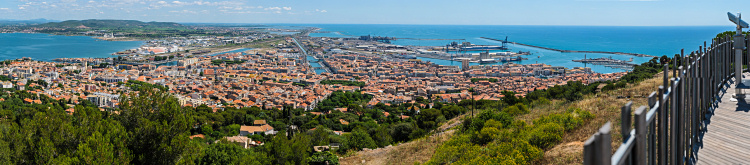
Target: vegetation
pixel 102 65
pixel 482 79
pixel 131 28
pixel 136 85
pixel 343 82
pixel 299 84
pixel 92 23
pixel 228 62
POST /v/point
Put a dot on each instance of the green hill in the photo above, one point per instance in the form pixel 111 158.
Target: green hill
pixel 110 24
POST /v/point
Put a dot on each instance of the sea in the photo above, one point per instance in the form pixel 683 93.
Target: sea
pixel 651 40
pixel 46 47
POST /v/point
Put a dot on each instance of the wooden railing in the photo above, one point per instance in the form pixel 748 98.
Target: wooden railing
pixel 667 131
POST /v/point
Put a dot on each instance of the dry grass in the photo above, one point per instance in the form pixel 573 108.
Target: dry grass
pixel 420 150
pixel 606 106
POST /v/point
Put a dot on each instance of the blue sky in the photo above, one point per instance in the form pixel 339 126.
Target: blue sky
pixel 456 12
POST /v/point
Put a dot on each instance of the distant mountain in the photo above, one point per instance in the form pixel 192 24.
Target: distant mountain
pixel 27 22
pixel 108 24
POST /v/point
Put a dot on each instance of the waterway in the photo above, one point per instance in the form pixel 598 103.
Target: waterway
pixel 45 47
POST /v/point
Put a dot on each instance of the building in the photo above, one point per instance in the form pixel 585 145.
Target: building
pixel 103 99
pixel 465 64
pixel 7 84
pixel 243 141
pixel 255 130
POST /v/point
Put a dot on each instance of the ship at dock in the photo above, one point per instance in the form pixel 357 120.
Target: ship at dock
pixel 468 46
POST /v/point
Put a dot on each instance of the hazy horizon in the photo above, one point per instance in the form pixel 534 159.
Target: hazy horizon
pixel 439 12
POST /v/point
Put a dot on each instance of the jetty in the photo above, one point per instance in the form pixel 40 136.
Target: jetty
pixel 608 62
pixel 572 51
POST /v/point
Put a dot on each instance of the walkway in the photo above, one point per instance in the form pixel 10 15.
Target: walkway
pixel 727 139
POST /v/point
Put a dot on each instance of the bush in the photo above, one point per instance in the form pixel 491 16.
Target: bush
pixel 546 135
pixel 486 135
pixel 517 109
pixel 321 158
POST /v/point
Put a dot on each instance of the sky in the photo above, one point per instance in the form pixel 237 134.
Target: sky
pixel 450 12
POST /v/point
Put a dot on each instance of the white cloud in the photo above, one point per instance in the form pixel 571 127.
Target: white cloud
pixel 4 9
pixel 272 8
pixel 287 8
pixel 277 12
pixel 323 11
pixel 21 8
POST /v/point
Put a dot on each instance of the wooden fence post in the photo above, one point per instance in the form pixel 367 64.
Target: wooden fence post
pixel 639 156
pixel 625 121
pixel 604 144
pixel 652 130
pixel 589 150
pixel 598 148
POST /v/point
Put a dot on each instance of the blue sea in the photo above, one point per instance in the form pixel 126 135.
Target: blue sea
pixel 657 41
pixel 45 47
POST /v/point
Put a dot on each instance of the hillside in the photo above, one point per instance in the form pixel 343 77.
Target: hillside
pixel 25 22
pixel 110 24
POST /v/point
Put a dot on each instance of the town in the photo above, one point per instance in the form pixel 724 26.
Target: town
pixel 281 76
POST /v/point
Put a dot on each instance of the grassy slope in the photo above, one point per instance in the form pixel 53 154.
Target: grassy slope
pixel 420 150
pixel 605 106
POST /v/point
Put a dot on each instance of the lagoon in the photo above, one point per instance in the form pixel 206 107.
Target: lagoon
pixel 45 47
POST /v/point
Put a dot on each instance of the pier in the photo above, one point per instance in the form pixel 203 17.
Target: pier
pixel 572 51
pixel 609 62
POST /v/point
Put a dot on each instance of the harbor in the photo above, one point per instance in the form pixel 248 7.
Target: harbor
pixel 570 51
pixel 609 62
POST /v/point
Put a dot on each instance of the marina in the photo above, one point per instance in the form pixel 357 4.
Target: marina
pixel 570 51
pixel 609 62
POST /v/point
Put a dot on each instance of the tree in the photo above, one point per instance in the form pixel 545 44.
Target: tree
pixel 320 135
pixel 427 119
pixel 401 132
pixel 280 150
pixel 382 136
pixel 302 147
pixel 359 139
pixel 158 126
pixel 225 152
pixel 323 158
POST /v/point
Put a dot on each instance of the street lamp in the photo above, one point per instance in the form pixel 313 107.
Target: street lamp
pixel 739 46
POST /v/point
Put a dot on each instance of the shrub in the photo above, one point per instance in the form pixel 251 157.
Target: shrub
pixel 486 135
pixel 546 135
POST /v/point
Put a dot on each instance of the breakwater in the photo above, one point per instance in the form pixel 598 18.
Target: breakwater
pixel 572 51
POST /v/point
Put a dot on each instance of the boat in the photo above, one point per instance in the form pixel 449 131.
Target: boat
pixel 487 61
